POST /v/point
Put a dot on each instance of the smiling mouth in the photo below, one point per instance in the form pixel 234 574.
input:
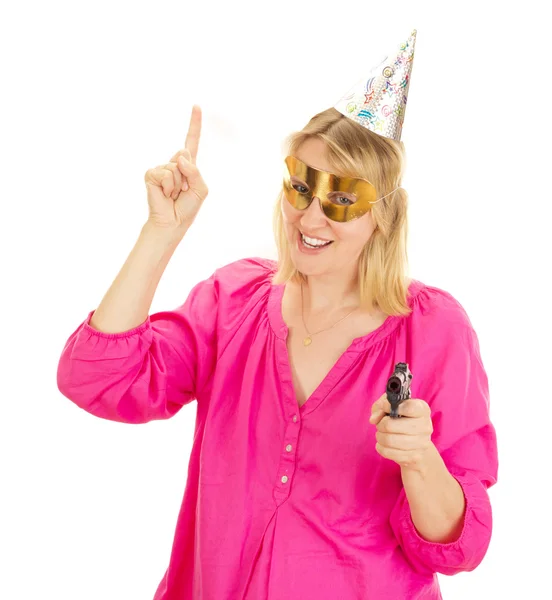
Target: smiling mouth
pixel 314 243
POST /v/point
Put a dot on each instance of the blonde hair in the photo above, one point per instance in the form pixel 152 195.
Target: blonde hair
pixel 354 151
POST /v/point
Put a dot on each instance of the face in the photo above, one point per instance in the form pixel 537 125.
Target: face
pixel 320 245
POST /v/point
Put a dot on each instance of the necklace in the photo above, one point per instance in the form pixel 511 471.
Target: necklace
pixel 308 340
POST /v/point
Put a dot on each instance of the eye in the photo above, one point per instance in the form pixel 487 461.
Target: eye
pixel 299 188
pixel 342 200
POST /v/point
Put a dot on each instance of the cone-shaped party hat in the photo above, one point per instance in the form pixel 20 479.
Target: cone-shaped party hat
pixel 378 101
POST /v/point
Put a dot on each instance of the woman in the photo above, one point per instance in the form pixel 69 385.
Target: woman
pixel 300 485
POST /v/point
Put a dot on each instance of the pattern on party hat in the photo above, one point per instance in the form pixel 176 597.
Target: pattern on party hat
pixel 378 102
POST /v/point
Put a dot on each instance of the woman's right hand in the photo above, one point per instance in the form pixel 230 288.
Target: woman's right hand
pixel 176 190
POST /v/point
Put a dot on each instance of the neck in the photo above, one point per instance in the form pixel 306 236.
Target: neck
pixel 331 291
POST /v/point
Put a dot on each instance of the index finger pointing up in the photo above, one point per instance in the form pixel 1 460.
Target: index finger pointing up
pixel 194 132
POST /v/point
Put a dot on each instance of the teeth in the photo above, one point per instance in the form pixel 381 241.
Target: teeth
pixel 314 242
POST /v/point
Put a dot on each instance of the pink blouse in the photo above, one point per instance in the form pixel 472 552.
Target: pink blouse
pixel 285 502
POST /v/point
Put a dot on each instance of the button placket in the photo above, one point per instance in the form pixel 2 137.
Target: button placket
pixel 287 460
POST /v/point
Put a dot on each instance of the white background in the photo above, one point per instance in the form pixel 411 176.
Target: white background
pixel 94 94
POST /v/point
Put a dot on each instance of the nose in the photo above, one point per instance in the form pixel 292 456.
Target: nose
pixel 313 216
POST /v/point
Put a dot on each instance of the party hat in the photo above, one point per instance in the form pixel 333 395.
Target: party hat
pixel 378 101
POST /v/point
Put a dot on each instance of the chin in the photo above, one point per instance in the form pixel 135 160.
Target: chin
pixel 310 265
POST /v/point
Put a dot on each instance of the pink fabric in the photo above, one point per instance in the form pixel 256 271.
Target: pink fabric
pixel 340 527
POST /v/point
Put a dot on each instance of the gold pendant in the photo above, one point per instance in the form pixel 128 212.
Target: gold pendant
pixel 307 341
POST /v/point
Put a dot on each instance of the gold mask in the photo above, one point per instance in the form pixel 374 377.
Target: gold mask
pixel 342 198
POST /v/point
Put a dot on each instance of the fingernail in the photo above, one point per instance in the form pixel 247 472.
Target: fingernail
pixel 185 186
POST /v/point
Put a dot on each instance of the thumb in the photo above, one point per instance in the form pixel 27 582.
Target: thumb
pixel 186 166
pixel 193 179
pixel 379 403
pixel 378 407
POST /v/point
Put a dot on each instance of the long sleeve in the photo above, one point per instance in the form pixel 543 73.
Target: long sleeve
pixel 149 372
pixel 449 375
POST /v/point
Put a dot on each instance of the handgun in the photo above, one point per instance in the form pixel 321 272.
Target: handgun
pixel 398 388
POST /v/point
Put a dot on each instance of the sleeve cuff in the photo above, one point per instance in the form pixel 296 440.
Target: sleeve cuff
pixel 122 334
pixel 462 554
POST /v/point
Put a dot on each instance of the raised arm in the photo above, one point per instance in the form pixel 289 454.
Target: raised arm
pixel 120 364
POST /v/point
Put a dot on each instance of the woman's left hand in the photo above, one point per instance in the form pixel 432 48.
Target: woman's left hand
pixel 405 440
